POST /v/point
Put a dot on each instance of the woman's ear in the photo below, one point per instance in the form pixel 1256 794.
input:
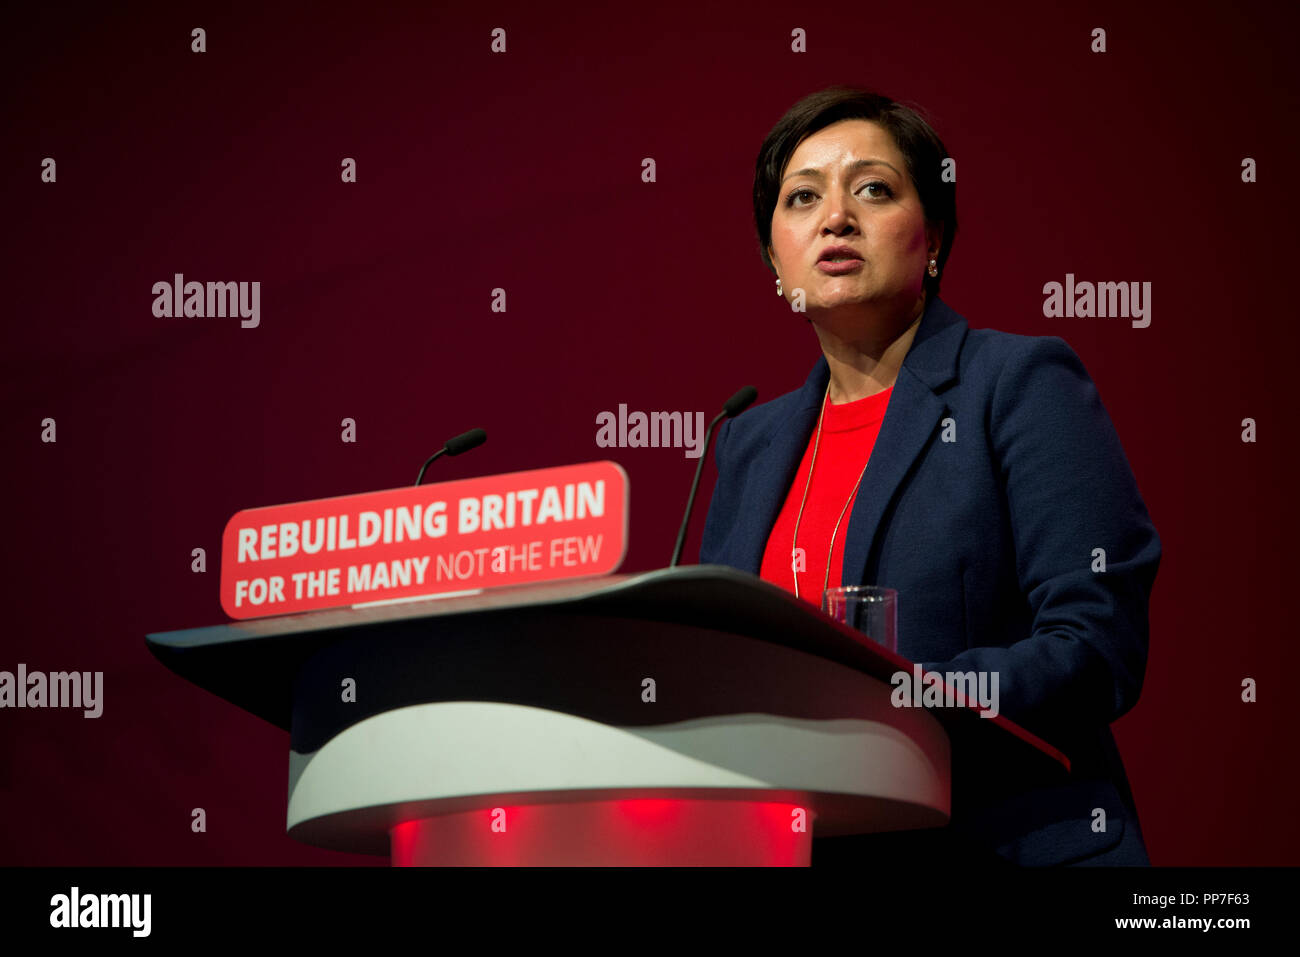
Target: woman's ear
pixel 934 240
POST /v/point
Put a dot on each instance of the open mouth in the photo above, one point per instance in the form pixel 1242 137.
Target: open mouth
pixel 838 265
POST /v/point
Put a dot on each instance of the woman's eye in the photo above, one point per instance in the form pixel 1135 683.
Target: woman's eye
pixel 882 188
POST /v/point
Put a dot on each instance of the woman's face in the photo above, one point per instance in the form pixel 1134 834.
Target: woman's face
pixel 847 185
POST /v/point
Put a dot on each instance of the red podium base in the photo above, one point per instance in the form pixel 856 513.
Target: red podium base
pixel 636 832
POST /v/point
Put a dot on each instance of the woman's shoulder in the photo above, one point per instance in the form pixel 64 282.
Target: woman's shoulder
pixel 947 348
pixel 1027 379
pixel 998 346
pixel 993 358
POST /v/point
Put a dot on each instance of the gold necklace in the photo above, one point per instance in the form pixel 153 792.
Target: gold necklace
pixel 794 545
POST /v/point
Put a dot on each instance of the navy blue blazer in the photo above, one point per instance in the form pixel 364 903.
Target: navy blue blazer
pixel 999 502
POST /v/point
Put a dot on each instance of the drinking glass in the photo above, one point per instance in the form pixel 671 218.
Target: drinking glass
pixel 870 609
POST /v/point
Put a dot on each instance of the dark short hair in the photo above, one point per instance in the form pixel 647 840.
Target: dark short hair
pixel 920 145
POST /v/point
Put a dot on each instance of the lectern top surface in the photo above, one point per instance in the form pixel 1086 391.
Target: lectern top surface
pixel 253 662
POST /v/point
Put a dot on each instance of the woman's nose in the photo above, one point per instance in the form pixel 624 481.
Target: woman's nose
pixel 837 214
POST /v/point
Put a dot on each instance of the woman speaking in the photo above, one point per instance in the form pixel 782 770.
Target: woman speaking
pixel 977 472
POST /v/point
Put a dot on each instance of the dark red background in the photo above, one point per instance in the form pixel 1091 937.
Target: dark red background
pixel 523 171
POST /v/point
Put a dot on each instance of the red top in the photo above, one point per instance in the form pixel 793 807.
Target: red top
pixel 848 435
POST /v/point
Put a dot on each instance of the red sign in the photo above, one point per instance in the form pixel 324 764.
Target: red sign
pixel 539 525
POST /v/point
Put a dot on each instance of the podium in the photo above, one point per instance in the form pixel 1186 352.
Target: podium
pixel 687 716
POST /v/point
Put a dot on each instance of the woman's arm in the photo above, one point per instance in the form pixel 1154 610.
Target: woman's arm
pixel 1070 491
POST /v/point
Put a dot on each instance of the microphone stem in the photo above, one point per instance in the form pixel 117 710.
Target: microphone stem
pixel 428 462
pixel 690 500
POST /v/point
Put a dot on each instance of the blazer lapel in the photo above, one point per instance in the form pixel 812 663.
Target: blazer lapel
pixel 915 410
pixel 773 471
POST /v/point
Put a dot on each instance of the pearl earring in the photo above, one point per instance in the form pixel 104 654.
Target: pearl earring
pixel 934 268
pixel 778 287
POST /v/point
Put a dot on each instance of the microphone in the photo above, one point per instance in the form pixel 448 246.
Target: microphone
pixel 461 443
pixel 737 404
